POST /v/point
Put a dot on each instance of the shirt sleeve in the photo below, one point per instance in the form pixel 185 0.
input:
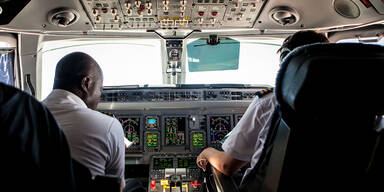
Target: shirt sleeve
pixel 242 143
pixel 116 163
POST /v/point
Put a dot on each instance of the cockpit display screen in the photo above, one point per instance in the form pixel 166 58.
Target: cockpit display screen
pixel 198 139
pixel 152 122
pixel 219 126
pixel 175 131
pixel 186 162
pixel 131 126
pixel 152 139
pixel 162 163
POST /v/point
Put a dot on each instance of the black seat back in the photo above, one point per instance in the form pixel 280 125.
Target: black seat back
pixel 329 97
pixel 35 154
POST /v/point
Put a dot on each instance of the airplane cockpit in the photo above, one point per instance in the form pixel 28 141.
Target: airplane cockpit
pixel 178 74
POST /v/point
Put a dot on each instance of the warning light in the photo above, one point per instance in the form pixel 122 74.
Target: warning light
pixel 214 13
pixel 201 13
pixel 153 184
pixel 164 182
pixel 195 183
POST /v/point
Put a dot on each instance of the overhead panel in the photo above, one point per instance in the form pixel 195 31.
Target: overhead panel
pixel 172 14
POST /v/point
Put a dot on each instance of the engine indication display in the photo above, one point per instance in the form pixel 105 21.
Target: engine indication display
pixel 152 139
pixel 186 162
pixel 162 163
pixel 131 126
pixel 197 139
pixel 174 128
pixel 219 126
pixel 152 122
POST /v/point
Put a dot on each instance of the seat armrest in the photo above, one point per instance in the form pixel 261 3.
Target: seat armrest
pixel 223 182
pixel 104 183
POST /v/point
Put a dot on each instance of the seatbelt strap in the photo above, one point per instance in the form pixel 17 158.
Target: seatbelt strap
pixel 275 165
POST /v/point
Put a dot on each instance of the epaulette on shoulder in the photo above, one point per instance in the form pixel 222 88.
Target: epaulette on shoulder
pixel 264 92
pixel 109 114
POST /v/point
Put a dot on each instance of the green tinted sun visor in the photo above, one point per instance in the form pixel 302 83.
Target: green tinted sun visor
pixel 205 57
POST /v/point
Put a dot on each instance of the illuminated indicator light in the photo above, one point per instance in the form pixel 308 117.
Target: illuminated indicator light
pixel 201 13
pixel 214 13
pixel 104 10
pixel 153 184
pixel 164 182
pixel 142 7
pixel 195 183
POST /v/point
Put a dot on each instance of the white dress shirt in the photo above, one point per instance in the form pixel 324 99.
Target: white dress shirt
pixel 247 139
pixel 96 140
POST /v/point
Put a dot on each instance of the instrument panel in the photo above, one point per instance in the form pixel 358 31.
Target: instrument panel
pixel 171 14
pixel 175 132
pixel 169 127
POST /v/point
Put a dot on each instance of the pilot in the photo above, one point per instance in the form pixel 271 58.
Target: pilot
pixel 245 143
pixel 96 140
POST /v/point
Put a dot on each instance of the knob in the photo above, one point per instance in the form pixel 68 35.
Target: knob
pixel 95 12
pixel 127 5
pixel 116 19
pixel 129 11
pixel 148 5
pixel 137 3
pixel 114 11
pixel 98 18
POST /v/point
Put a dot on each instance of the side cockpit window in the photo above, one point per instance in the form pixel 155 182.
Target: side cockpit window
pixel 7 56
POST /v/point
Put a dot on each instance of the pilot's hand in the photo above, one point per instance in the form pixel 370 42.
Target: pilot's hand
pixel 202 161
pixel 127 143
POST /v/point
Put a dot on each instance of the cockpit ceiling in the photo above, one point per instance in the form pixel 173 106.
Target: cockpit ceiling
pixel 202 15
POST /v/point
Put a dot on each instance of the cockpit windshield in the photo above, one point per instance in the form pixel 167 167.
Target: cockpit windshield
pixel 139 62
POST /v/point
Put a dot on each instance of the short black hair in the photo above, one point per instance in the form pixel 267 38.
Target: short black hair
pixel 301 38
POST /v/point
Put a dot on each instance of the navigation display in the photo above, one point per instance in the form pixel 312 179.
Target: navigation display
pixel 186 162
pixel 174 130
pixel 131 127
pixel 219 126
pixel 152 139
pixel 162 163
pixel 197 139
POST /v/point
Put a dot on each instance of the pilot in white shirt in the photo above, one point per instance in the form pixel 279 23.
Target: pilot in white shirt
pixel 246 141
pixel 96 140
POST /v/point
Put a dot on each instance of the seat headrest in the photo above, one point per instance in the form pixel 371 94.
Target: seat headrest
pixel 332 78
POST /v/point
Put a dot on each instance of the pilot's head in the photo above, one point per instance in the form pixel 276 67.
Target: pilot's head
pixel 80 74
pixel 298 39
